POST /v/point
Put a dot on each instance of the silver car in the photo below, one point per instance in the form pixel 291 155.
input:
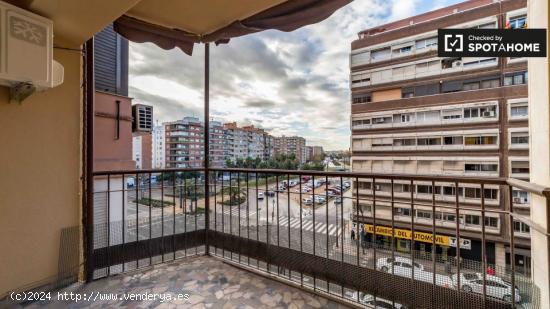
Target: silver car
pixel 495 286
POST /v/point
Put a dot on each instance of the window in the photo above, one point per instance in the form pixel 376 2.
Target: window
pixel 380 54
pixel 451 190
pixel 520 167
pixel 406 117
pixel 470 86
pixel 480 167
pixel 518 110
pixel 427 189
pixel 404 142
pixel 476 193
pixel 480 140
pixel 516 78
pixel 403 212
pixel 362 98
pixel 491 221
pixel 517 22
pixel 426 43
pixel 472 219
pixel 451 62
pixel 407 92
pixel 519 138
pixel 360 122
pixel 452 140
pixel 452 114
pixel 429 141
pixel 482 61
pixel 521 227
pixel 476 112
pixel 402 50
pixel 490 83
pixel 364 185
pixel 491 25
pixel 520 197
pixel 448 217
pixel 423 214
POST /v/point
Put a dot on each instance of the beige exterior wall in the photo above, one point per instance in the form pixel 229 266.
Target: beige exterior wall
pixel 539 131
pixel 386 95
pixel 40 164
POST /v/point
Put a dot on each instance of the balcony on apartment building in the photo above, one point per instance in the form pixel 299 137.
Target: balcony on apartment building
pixel 241 227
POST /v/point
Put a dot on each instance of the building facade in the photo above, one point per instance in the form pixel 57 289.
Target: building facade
pixel 184 143
pixel 291 145
pixel 113 124
pixel 246 142
pixel 158 148
pixel 416 113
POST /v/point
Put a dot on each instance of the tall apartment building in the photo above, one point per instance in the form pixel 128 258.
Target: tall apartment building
pixel 184 143
pixel 158 148
pixel 217 151
pixel 291 145
pixel 246 142
pixel 416 113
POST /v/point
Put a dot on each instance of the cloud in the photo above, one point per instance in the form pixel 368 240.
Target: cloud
pixel 288 83
pixel 260 104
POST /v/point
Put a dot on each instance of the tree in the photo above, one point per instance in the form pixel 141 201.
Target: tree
pixel 236 195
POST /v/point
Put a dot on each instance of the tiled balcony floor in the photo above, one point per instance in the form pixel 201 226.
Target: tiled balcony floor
pixel 209 282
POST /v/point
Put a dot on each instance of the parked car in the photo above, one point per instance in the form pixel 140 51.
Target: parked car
pixel 347 184
pixel 292 183
pixel 260 195
pixel 281 188
pixel 338 200
pixel 495 287
pixel 307 201
pixel 319 199
pixel 380 303
pixel 401 266
pixel 270 193
pixel 404 266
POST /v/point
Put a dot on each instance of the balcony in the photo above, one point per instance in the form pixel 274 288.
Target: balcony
pixel 165 222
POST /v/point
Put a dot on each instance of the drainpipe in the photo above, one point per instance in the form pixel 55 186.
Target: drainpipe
pixel 88 153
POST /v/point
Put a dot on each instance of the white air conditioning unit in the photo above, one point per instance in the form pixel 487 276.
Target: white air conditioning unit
pixel 488 114
pixel 26 48
pixel 457 64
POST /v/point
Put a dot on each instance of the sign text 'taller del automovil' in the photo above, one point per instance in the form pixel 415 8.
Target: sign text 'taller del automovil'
pixel 491 43
pixel 441 240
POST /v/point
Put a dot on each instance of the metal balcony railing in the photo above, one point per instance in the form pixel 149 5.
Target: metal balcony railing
pixel 325 231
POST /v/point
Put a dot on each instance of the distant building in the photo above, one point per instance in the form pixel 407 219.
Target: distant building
pixel 246 142
pixel 158 147
pixel 142 150
pixel 184 143
pixel 291 145
pixel 217 154
pixel 314 152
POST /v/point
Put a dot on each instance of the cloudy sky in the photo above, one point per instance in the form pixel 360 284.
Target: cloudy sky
pixel 287 83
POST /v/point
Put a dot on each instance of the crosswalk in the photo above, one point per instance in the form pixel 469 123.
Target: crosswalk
pixel 307 225
pixel 233 211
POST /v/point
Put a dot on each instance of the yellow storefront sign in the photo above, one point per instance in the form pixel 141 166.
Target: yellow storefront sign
pixel 406 234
